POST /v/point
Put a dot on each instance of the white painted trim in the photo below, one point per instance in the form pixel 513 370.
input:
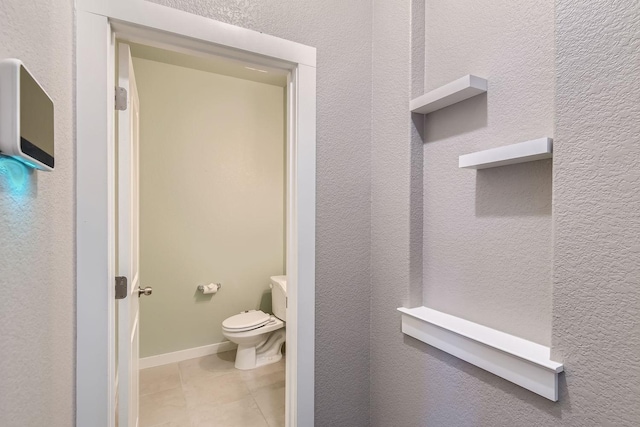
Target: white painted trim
pixel 302 257
pixel 95 326
pixel 449 94
pixel 202 31
pixel 190 353
pixel 520 361
pixel 528 151
pixel 94 179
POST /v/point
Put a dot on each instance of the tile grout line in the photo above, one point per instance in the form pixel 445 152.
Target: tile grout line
pixel 186 405
pixel 246 383
pixel 259 408
pixel 180 388
pixel 251 392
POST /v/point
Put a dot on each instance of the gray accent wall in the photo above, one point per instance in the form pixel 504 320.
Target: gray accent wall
pixel 37 233
pixel 487 233
pixel 596 263
pixel 579 287
pixel 398 372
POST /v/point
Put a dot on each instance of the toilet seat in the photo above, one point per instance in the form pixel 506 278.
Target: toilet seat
pixel 246 321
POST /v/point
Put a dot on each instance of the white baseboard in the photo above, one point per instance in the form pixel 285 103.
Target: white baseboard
pixel 190 353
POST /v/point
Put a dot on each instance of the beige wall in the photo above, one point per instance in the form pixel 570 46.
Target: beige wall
pixel 212 200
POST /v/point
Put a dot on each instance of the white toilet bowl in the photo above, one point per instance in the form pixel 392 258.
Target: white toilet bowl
pixel 259 336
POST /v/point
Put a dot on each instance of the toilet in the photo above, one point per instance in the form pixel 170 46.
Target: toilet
pixel 259 335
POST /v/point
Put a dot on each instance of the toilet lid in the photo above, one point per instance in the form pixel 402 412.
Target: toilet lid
pixel 248 320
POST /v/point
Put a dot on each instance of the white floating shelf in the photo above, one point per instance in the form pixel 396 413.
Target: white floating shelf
pixel 449 94
pixel 522 362
pixel 528 151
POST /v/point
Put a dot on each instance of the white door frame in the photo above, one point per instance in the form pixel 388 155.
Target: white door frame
pixel 98 22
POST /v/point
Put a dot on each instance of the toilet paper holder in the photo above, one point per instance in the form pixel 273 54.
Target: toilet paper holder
pixel 210 288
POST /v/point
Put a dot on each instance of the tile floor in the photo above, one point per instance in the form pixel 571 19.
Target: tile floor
pixel 210 391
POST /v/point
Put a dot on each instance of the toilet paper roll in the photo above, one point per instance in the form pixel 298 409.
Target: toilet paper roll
pixel 211 288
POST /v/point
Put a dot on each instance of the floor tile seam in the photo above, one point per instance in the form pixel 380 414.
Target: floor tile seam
pixel 252 391
pixel 180 375
pixel 159 424
pixel 264 417
pixel 259 406
pixel 246 383
pixel 161 391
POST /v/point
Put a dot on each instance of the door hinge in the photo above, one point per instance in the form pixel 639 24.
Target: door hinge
pixel 121 287
pixel 121 98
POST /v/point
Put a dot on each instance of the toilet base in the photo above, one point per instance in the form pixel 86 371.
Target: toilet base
pixel 266 353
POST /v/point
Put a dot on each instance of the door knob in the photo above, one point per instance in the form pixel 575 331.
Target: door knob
pixel 146 291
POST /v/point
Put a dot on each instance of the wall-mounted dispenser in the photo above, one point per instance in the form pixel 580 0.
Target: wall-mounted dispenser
pixel 26 117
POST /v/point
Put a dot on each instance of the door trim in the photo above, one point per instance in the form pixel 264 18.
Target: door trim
pixel 98 22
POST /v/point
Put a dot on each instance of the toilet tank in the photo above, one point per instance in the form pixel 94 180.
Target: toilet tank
pixel 279 296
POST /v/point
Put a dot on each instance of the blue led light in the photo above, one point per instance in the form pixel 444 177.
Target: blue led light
pixel 15 174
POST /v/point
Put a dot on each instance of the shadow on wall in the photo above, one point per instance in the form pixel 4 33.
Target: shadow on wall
pixel 418 124
pixel 265 302
pixel 523 189
pixel 555 409
pixel 446 123
pixel 200 297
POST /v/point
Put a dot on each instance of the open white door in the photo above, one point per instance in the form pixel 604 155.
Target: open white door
pixel 128 239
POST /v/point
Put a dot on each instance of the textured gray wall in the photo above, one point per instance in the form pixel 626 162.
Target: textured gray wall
pixel 398 396
pixel 341 32
pixel 595 224
pixel 37 232
pixel 596 280
pixel 487 234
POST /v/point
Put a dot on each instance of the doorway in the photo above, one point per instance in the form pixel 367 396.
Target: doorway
pixel 212 189
pixel 137 21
